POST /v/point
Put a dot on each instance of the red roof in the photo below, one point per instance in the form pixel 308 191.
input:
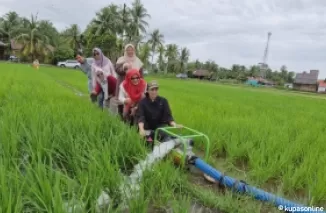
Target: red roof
pixel 322 83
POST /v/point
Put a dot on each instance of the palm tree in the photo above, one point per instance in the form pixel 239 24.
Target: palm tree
pixel 108 21
pixel 47 28
pixel 145 53
pixel 156 39
pixel 138 15
pixel 34 42
pixel 198 64
pixel 9 26
pixel 74 38
pixel 184 58
pixel 161 58
pixel 172 55
pixel 124 21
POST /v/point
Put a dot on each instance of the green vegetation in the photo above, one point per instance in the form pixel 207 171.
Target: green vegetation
pixel 111 28
pixel 57 147
pixel 272 141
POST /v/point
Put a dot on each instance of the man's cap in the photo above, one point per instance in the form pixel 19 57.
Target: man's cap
pixel 152 84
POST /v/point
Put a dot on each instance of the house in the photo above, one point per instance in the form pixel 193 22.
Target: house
pixel 16 47
pixel 2 50
pixel 201 74
pixel 288 85
pixel 322 86
pixel 306 81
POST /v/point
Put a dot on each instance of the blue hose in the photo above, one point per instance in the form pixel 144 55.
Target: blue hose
pixel 282 204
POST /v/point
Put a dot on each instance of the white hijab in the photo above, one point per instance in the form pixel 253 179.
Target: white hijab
pixel 134 60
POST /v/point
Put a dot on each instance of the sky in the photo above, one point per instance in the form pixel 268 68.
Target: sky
pixel 226 31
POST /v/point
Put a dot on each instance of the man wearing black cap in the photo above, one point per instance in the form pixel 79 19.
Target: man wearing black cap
pixel 154 111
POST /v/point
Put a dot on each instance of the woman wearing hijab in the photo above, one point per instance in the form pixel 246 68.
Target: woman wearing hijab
pixel 127 62
pixel 131 91
pixel 36 64
pixel 102 68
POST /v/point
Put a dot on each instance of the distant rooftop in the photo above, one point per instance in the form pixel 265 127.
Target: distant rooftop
pixel 307 78
pixel 322 83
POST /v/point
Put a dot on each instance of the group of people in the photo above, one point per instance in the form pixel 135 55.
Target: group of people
pixel 122 89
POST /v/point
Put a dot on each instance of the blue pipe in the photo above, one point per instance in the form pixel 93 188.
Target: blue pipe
pixel 282 204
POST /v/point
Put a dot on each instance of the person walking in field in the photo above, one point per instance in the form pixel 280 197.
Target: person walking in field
pixel 131 91
pixel 154 112
pixel 127 62
pixel 36 64
pixel 87 69
pixel 101 69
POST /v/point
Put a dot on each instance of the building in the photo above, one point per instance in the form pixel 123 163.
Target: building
pixel 306 81
pixel 201 74
pixel 322 86
pixel 15 47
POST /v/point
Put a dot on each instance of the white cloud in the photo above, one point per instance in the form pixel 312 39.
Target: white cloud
pixel 227 31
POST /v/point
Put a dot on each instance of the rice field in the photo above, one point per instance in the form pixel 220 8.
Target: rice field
pixel 55 146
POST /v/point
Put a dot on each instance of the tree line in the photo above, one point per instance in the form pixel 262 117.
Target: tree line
pixel 111 28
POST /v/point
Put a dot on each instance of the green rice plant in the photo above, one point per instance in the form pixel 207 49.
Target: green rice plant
pixel 266 129
pixel 48 133
pixel 63 148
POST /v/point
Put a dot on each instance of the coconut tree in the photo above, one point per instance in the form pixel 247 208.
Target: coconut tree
pixel 161 56
pixel 171 54
pixel 9 26
pixel 156 39
pixel 74 37
pixel 124 21
pixel 108 20
pixel 145 53
pixel 47 28
pixel 34 42
pixel 184 58
pixel 139 15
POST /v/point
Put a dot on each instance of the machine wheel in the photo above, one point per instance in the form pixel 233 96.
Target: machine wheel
pixel 62 65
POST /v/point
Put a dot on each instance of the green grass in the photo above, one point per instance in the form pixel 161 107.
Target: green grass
pixel 279 137
pixel 75 150
pixel 56 147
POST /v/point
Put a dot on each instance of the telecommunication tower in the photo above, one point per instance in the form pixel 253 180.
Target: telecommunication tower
pixel 263 65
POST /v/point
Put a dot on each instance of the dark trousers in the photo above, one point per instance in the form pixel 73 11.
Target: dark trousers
pixel 120 110
pixel 161 135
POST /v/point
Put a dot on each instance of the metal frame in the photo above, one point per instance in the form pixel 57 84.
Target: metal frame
pixel 196 134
